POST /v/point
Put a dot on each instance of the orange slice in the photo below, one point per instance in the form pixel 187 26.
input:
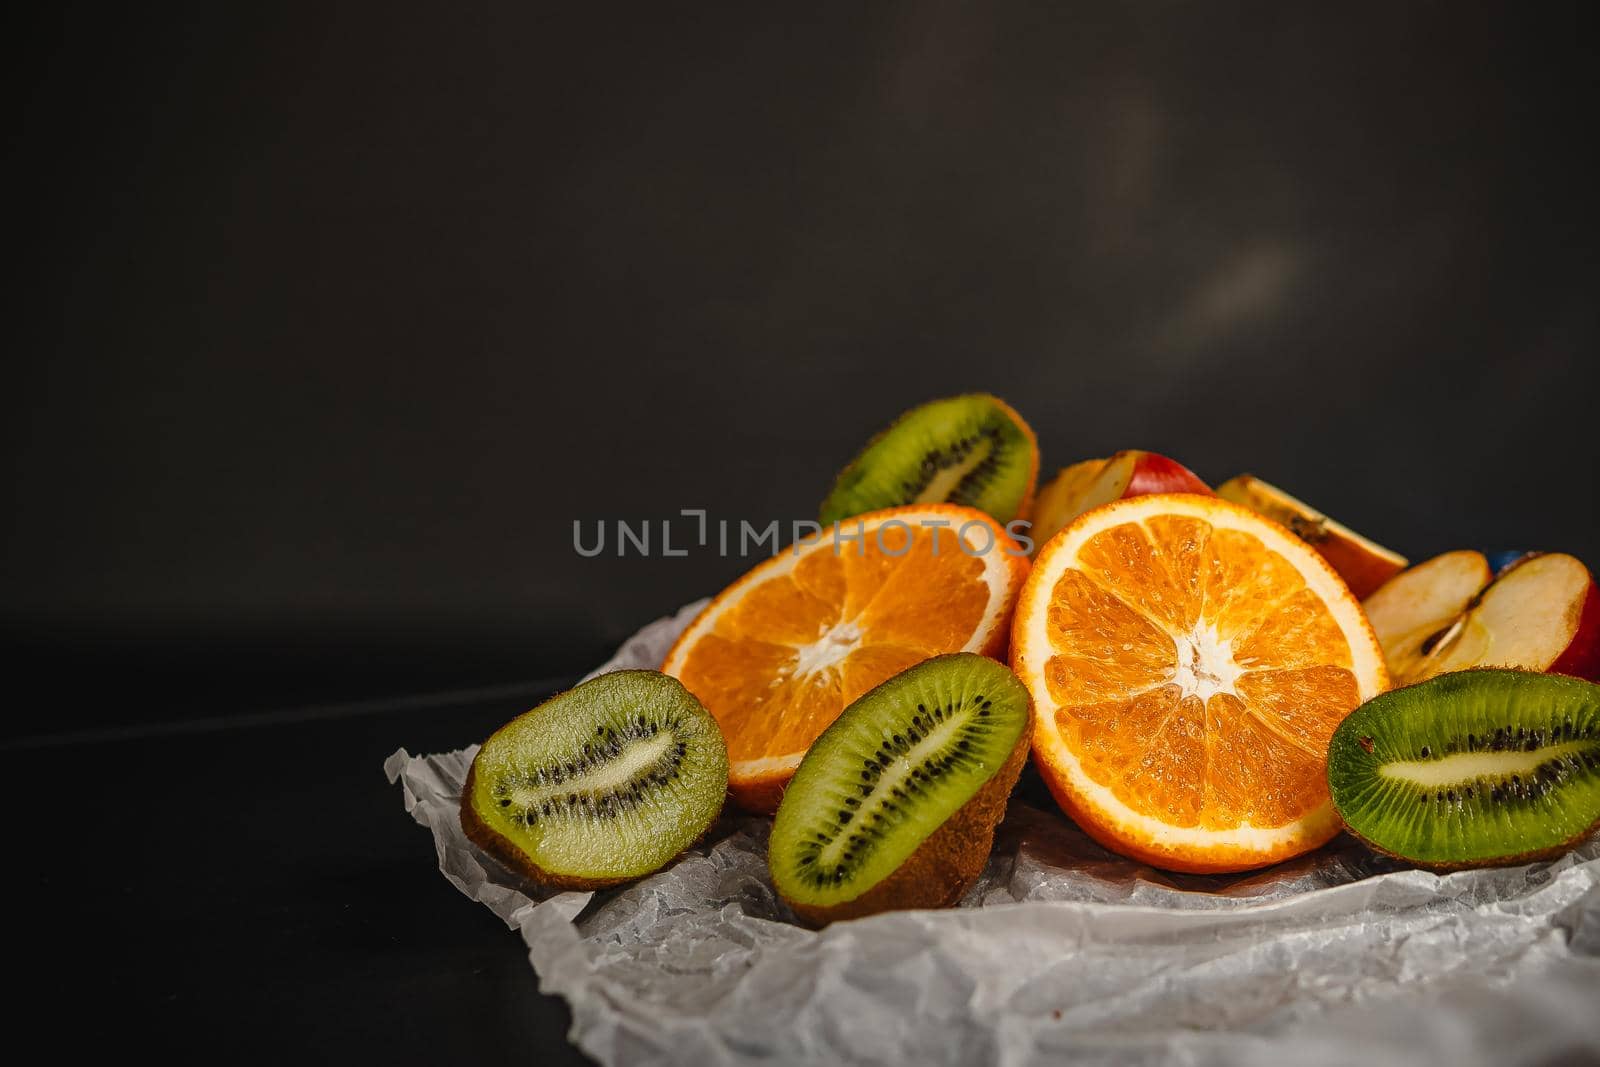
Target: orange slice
pixel 781 652
pixel 1190 660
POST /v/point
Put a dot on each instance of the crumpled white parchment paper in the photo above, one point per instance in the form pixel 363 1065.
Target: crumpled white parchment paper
pixel 1061 952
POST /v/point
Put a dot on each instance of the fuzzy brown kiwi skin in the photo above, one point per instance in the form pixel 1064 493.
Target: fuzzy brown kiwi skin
pixel 947 863
pixel 501 848
pixel 1553 852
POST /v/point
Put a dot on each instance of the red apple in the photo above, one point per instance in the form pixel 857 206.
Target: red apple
pixel 1542 613
pixel 1364 565
pixel 1094 482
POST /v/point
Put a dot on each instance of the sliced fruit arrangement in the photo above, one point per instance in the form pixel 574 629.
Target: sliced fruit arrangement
pixel 896 804
pixel 1196 675
pixel 1189 661
pixel 971 450
pixel 780 653
pixel 1094 482
pixel 1364 565
pixel 603 784
pixel 1471 769
pixel 1541 613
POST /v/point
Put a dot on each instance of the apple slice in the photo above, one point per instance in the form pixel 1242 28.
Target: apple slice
pixel 1414 611
pixel 1542 613
pixel 1364 565
pixel 1094 482
pixel 1053 507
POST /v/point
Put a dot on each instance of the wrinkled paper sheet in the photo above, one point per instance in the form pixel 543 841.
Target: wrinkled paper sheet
pixel 1061 952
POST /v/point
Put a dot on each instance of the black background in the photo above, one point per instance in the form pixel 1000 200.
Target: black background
pixel 337 318
pixel 333 320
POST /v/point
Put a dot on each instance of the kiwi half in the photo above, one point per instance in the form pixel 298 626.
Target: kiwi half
pixel 973 450
pixel 1471 769
pixel 895 805
pixel 602 784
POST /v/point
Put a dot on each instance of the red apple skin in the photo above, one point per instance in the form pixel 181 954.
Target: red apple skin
pixel 1582 656
pixel 1155 473
pixel 1362 571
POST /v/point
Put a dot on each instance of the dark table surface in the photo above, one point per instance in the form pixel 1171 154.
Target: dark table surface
pixel 252 889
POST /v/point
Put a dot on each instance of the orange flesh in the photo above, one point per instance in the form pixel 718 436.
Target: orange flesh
pixel 1176 729
pixel 783 660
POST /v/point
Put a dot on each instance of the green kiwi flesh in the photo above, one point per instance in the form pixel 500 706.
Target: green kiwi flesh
pixel 1471 769
pixel 970 450
pixel 895 805
pixel 602 784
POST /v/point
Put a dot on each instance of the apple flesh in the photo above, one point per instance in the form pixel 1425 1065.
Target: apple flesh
pixel 1364 565
pixel 1053 507
pixel 1094 482
pixel 1542 613
pixel 1412 612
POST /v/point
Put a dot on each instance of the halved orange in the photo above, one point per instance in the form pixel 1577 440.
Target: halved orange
pixel 1190 660
pixel 780 653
